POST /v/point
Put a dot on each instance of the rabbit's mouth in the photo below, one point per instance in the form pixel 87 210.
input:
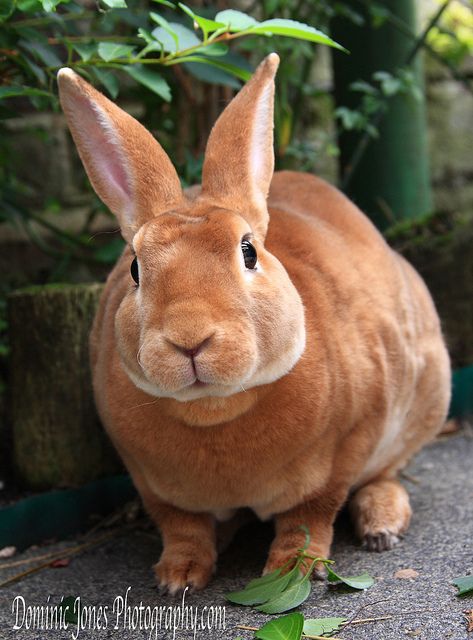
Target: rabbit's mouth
pixel 199 383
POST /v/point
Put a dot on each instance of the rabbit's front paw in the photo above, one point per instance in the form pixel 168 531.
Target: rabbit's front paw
pixel 281 557
pixel 176 571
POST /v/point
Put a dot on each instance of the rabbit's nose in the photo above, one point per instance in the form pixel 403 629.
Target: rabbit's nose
pixel 193 351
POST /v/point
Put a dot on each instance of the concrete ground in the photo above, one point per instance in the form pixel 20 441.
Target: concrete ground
pixel 438 546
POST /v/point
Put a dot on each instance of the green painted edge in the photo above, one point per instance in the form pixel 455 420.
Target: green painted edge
pixel 462 396
pixel 61 513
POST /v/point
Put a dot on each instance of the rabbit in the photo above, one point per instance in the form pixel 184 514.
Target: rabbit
pixel 257 345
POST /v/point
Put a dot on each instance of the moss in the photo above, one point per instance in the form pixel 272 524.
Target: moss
pixel 60 287
pixel 437 231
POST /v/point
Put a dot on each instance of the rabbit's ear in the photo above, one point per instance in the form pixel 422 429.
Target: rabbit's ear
pixel 239 159
pixel 127 167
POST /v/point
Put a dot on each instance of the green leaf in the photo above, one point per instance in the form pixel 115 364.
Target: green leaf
pixel 293 29
pixel 205 24
pixel 215 49
pixel 67 605
pixel 116 4
pixel 229 68
pixel 363 581
pixel 183 37
pixel 86 51
pixel 269 577
pixel 146 35
pixel 13 91
pixel 113 50
pixel 263 591
pixel 110 252
pixel 29 6
pixel 211 74
pixel 42 52
pixel 363 87
pixel 6 9
pixel 285 628
pixel 50 5
pixel 235 20
pixel 36 70
pixel 168 31
pixel 149 79
pixel 107 79
pixel 289 599
pixel 166 3
pixel 321 626
pixel 464 585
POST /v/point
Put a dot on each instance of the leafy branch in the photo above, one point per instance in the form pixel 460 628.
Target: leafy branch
pixel 290 585
pixel 167 44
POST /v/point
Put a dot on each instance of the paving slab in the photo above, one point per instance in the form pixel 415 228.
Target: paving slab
pixel 438 546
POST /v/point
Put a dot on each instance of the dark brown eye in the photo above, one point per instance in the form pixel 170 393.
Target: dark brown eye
pixel 249 254
pixel 135 274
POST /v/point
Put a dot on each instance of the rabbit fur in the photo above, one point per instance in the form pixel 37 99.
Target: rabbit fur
pixel 288 388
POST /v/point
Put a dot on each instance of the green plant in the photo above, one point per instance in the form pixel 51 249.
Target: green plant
pixel 122 47
pixel 290 585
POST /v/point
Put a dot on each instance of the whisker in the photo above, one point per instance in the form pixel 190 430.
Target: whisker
pixel 138 355
pixel 145 404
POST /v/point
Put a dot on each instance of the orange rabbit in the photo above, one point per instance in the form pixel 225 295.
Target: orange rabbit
pixel 284 367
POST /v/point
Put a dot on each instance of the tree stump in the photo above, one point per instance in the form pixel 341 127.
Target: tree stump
pixel 57 437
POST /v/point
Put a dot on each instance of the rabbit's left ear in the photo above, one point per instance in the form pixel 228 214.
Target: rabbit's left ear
pixel 127 167
pixel 239 159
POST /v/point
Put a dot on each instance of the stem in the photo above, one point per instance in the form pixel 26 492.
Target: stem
pixel 167 61
pixel 36 22
pixel 245 628
pixel 87 39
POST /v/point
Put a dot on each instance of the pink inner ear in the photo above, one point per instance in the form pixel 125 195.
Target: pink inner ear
pixel 105 156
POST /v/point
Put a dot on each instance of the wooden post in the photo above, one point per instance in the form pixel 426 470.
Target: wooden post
pixel 57 438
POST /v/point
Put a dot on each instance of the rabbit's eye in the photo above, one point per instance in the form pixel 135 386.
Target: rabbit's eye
pixel 134 271
pixel 249 254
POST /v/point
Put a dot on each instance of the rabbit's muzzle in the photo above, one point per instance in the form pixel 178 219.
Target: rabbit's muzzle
pixel 197 359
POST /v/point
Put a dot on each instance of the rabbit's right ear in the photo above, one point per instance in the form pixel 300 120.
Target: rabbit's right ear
pixel 127 167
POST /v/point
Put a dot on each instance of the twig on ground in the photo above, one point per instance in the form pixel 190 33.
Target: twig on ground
pixel 245 628
pixel 63 553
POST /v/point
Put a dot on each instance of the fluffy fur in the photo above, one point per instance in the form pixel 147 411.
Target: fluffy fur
pixel 286 389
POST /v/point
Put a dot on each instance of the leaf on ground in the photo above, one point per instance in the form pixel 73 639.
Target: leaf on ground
pixel 464 584
pixel 363 581
pixel 285 628
pixel 405 574
pixel 292 597
pixel 68 607
pixel 469 619
pixel 264 590
pixel 320 626
pixel 60 563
